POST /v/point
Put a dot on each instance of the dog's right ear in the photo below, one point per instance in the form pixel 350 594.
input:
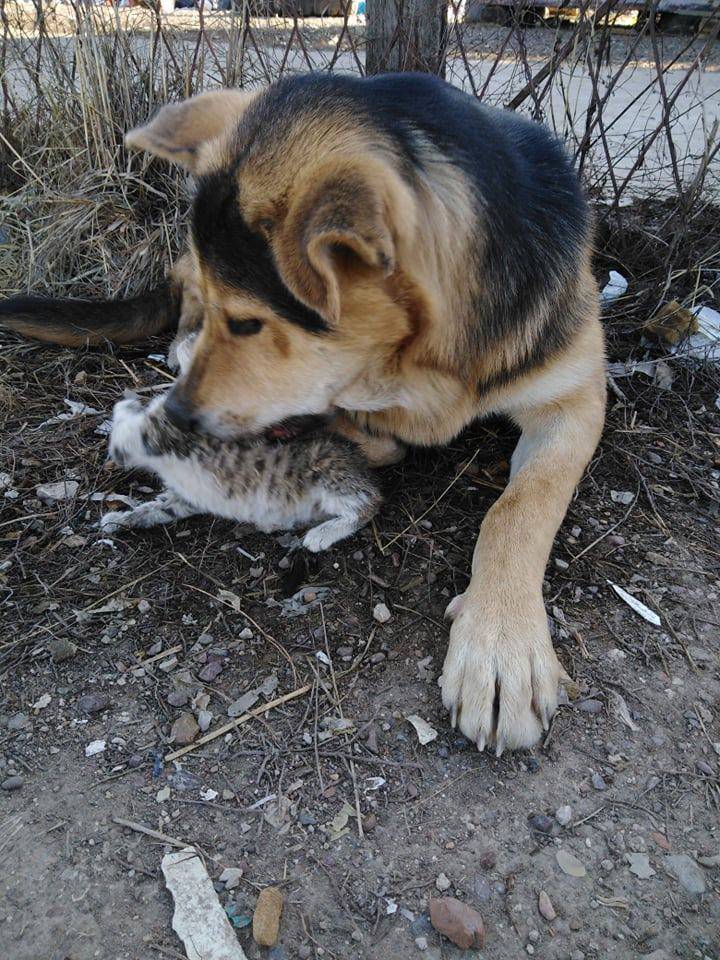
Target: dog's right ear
pixel 178 131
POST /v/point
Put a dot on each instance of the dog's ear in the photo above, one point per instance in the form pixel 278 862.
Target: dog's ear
pixel 339 222
pixel 179 130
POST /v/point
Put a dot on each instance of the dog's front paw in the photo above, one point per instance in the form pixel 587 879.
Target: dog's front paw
pixel 500 677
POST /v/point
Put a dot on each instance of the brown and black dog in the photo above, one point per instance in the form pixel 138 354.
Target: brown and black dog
pixel 390 248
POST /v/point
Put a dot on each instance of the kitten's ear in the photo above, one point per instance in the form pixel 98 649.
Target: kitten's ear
pixel 178 131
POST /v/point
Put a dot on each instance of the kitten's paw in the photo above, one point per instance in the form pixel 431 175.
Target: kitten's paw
pixel 328 533
pixel 114 521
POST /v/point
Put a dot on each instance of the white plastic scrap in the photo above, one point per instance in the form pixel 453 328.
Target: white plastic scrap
pixel 614 288
pixel 705 344
pixel 76 408
pixel 198 920
pixel 426 733
pixel 645 612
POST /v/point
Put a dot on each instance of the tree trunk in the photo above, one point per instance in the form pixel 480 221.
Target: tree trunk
pixel 406 35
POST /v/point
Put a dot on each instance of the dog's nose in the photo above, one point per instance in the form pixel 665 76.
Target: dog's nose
pixel 179 412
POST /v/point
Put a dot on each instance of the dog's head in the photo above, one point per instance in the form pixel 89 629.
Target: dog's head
pixel 298 224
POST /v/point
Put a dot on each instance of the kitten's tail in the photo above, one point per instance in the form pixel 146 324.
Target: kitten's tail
pixel 77 323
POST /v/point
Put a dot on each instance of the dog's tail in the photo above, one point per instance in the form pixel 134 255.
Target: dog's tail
pixel 76 323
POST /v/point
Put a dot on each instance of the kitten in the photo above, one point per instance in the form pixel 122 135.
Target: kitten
pixel 271 482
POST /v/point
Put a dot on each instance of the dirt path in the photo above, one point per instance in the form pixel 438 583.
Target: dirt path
pixel 642 786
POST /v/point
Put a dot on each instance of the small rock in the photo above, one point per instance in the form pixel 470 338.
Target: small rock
pixel 204 719
pixel 606 866
pixel 163 795
pixel 540 823
pixel 93 703
pixel 590 706
pixel 381 613
pixel 304 951
pixel 563 815
pixel 701 655
pixel 134 760
pixel 442 883
pixel 245 634
pixel 63 490
pixel 534 936
pixel 704 767
pixel 598 782
pixel 143 606
pixel 487 859
pixel 231 877
pixel 94 748
pixel 570 864
pixel 167 665
pixel 687 873
pixel 184 730
pixel 178 698
pixel 19 721
pixel 421 943
pixel 458 922
pixel 357 935
pixel 545 907
pixel 639 864
pixel 61 649
pixel 266 919
pixel 211 671
pixel 12 783
pixel 561 564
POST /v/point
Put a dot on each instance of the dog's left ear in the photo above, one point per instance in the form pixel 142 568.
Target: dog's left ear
pixel 340 219
pixel 178 131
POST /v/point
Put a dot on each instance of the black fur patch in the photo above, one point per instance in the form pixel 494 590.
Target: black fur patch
pixel 239 255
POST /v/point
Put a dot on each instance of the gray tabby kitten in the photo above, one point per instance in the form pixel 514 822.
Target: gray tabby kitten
pixel 270 482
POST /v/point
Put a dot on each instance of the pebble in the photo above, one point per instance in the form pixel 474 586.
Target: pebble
pixel 457 921
pixel 19 721
pixel 134 760
pixel 61 649
pixel 211 671
pixel 381 613
pixel 590 706
pixel 540 823
pixel 598 782
pixel 687 873
pixel 184 730
pixel 167 665
pixel 487 859
pixel 421 943
pixel 231 877
pixel 442 883
pixel 63 490
pixel 245 634
pixel 178 698
pixel 93 703
pixel 606 866
pixel 357 935
pixel 639 864
pixel 266 919
pixel 12 783
pixel 534 936
pixel 304 951
pixel 563 815
pixel 377 658
pixel 204 719
pixel 94 748
pixel 705 768
pixel 545 907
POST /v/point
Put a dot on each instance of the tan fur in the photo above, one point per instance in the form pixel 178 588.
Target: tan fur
pixel 400 362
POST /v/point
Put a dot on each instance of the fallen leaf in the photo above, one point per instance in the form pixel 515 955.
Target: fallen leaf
pixel 570 864
pixel 426 733
pixel 622 711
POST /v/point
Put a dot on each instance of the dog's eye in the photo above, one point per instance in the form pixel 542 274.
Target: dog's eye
pixel 244 328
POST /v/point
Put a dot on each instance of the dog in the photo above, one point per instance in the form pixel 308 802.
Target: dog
pixel 389 247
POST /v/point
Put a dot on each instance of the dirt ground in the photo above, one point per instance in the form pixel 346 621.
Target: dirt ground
pixel 331 796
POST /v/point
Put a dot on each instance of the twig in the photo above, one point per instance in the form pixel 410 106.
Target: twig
pixel 155 834
pixel 239 721
pixel 413 523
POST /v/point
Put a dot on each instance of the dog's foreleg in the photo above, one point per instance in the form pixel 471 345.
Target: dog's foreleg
pixel 501 674
pixel 166 508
